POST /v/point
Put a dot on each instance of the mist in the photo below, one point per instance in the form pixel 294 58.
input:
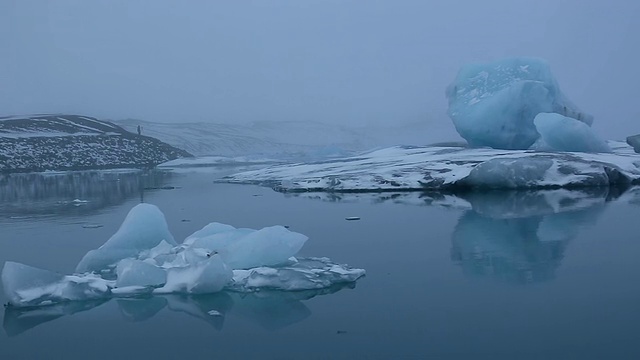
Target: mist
pixel 351 63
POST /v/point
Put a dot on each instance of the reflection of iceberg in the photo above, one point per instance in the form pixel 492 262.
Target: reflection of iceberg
pixel 521 236
pixel 268 309
pixel 142 258
pixel 18 320
pixel 78 192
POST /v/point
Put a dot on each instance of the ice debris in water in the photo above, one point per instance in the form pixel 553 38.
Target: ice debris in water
pixel 143 258
pixel 495 104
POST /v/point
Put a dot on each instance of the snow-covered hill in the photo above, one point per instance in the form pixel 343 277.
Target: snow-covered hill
pixel 296 140
pixel 72 142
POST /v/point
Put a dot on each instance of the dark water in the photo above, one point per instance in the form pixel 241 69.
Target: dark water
pixel 485 275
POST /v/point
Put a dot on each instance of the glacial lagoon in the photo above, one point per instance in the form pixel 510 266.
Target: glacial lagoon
pixel 537 274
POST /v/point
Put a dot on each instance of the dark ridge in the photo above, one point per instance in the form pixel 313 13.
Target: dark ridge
pixel 73 142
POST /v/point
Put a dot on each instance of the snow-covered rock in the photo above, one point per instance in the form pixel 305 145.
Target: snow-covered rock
pixel 634 141
pixel 429 168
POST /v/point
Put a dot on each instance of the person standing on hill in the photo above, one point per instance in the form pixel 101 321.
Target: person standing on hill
pixel 139 130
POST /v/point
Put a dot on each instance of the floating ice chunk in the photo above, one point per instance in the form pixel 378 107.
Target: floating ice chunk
pixel 132 272
pixel 217 241
pixel 561 133
pixel 494 104
pixel 144 228
pixel 266 247
pixel 163 249
pixel 208 276
pixel 211 229
pixel 146 260
pixel 29 286
pixel 306 274
pixel 17 278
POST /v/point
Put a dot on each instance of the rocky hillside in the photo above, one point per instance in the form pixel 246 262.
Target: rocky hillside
pixel 73 142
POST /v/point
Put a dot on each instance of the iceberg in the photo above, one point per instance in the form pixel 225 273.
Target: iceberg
pixel 494 104
pixel 29 286
pixel 561 133
pixel 142 258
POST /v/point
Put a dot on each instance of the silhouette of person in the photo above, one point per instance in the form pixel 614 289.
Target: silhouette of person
pixel 139 130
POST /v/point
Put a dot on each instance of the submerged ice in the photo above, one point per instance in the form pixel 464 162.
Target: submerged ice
pixel 143 258
pixel 495 104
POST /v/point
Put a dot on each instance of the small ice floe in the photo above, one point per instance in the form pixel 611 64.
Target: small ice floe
pixel 352 218
pixel 79 202
pixel 214 313
pixel 92 226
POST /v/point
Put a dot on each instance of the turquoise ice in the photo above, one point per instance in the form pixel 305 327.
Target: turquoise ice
pixel 494 104
pixel 561 133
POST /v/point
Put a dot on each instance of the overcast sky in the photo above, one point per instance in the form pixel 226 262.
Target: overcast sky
pixel 342 62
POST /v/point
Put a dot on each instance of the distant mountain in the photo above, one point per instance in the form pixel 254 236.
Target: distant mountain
pixel 283 140
pixel 74 142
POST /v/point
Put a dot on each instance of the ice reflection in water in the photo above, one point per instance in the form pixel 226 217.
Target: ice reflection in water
pixel 521 237
pixel 512 236
pixel 268 309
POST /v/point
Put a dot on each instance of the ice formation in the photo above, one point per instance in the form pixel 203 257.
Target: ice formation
pixel 143 258
pixel 494 104
pixel 561 133
pixel 143 228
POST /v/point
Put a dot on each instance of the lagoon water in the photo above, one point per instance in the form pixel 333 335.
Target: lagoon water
pixel 484 275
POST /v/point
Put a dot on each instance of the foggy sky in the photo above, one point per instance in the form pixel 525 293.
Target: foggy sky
pixel 335 61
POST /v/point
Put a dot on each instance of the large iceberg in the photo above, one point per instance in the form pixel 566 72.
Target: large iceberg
pixel 143 258
pixel 494 104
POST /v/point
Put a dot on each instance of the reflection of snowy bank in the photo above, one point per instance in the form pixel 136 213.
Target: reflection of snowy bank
pixel 142 258
pixel 73 192
pixel 208 161
pixel 431 168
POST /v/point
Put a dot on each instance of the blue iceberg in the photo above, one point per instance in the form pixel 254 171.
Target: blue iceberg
pixel 494 104
pixel 561 133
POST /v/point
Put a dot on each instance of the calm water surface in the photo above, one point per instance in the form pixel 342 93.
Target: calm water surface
pixel 485 275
